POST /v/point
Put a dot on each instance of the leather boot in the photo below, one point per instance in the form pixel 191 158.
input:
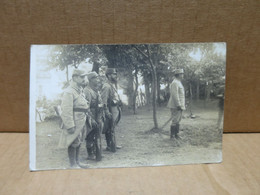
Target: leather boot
pixel 108 148
pixel 72 157
pixel 91 156
pixel 80 164
pixel 177 131
pixel 172 131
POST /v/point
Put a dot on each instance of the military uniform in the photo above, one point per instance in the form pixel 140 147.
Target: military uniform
pixel 96 112
pixel 111 99
pixel 73 114
pixel 176 103
pixel 73 100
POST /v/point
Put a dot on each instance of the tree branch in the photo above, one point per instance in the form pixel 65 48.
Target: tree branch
pixel 141 51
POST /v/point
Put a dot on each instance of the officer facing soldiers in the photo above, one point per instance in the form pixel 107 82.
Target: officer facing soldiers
pixel 94 98
pixel 176 102
pixel 74 107
pixel 111 99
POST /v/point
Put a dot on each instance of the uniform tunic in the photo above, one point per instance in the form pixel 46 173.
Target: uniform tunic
pixel 73 98
pixel 94 99
pixel 177 98
pixel 111 98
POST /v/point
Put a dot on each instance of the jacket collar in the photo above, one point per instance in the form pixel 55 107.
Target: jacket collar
pixel 76 87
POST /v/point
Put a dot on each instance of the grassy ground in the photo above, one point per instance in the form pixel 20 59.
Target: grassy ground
pixel 200 143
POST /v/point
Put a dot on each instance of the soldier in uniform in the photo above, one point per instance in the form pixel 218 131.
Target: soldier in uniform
pixel 111 99
pixel 176 102
pixel 94 98
pixel 74 107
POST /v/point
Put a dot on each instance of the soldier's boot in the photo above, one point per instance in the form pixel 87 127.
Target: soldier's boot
pixel 108 148
pixel 72 157
pixel 172 130
pixel 91 156
pixel 80 164
pixel 177 131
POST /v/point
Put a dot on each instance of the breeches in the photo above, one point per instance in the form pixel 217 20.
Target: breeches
pixel 176 116
pixel 76 143
pixel 90 139
pixel 115 113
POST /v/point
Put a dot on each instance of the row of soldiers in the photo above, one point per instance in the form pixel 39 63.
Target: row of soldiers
pixel 87 111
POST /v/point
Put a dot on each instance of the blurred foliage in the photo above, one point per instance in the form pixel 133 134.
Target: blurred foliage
pixel 46 108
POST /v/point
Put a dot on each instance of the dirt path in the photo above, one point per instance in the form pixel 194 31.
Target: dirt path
pixel 200 143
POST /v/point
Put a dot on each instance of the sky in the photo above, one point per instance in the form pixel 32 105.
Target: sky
pixel 220 48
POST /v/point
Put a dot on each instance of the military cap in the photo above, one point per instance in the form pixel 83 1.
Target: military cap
pixel 111 71
pixel 179 71
pixel 78 72
pixel 92 75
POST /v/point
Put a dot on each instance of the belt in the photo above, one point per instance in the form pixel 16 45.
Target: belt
pixel 80 110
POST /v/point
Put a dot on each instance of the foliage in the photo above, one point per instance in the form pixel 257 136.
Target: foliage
pixel 155 63
pixel 46 108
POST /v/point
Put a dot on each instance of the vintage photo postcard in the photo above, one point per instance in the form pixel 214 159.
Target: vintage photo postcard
pixel 127 105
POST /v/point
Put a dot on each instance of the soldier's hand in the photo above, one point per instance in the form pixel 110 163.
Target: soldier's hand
pixel 94 123
pixel 179 108
pixel 108 115
pixel 71 130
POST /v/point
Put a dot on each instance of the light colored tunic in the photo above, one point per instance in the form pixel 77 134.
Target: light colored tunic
pixel 177 95
pixel 73 98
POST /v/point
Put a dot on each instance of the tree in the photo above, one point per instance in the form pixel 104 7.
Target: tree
pixel 63 56
pixel 151 55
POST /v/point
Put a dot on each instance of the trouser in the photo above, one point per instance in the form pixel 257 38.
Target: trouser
pixel 73 153
pixel 176 116
pixel 90 139
pixel 116 117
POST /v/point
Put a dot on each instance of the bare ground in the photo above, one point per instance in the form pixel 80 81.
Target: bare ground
pixel 201 142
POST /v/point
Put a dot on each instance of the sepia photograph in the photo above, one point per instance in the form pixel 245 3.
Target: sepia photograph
pixel 126 105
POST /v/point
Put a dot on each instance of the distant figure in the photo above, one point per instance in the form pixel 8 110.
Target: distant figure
pixel 74 107
pixel 176 102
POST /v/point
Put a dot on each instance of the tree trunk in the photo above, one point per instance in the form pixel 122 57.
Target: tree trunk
pixel 198 90
pixel 207 90
pixel 154 87
pixel 67 73
pixel 154 90
pixel 135 90
pixel 154 80
pixel 158 90
pixel 147 90
pixel 130 89
pixel 191 96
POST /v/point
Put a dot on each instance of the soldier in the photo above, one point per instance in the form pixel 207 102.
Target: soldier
pixel 111 99
pixel 74 107
pixel 93 138
pixel 176 102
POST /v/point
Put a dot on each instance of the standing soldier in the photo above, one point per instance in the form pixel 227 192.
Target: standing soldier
pixel 74 107
pixel 93 139
pixel 111 99
pixel 176 102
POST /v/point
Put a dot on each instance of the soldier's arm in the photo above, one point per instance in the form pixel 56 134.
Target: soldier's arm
pixel 87 95
pixel 104 97
pixel 105 94
pixel 175 94
pixel 67 110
